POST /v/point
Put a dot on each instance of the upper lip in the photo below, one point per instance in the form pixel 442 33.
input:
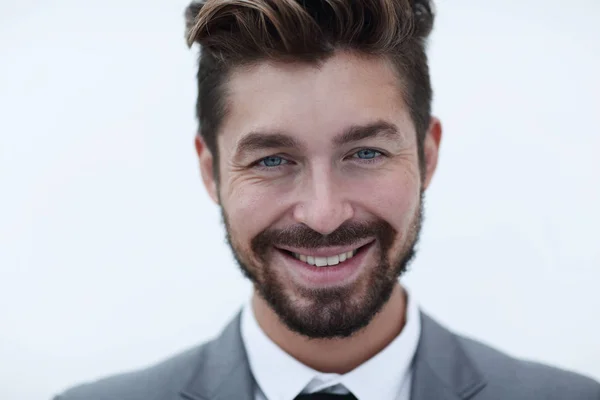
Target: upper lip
pixel 326 251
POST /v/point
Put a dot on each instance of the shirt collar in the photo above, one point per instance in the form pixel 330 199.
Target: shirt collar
pixel 383 376
pixel 282 377
pixel 279 375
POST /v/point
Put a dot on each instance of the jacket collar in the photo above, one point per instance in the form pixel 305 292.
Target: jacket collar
pixel 442 368
pixel 223 371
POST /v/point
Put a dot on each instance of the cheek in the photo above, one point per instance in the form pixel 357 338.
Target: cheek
pixel 393 197
pixel 250 209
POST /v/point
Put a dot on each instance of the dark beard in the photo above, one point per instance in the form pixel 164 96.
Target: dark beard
pixel 333 312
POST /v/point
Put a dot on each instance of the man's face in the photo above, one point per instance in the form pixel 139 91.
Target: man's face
pixel 320 188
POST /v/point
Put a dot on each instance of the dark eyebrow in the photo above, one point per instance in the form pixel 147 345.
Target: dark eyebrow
pixel 360 132
pixel 265 140
pixel 261 140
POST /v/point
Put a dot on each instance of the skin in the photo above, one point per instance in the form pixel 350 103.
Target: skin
pixel 320 184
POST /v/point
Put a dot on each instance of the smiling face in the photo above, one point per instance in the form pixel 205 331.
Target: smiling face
pixel 320 187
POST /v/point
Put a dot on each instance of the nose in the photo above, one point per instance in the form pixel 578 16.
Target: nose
pixel 324 206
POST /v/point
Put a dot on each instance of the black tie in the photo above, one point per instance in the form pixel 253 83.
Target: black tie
pixel 325 396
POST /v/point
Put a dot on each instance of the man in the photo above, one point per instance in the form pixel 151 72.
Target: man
pixel 316 141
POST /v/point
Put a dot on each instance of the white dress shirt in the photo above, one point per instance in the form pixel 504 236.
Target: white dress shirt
pixel 386 376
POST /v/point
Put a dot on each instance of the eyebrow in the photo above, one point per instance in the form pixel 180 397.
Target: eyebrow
pixel 261 140
pixel 266 140
pixel 356 133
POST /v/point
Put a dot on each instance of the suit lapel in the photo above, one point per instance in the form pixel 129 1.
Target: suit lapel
pixel 442 369
pixel 223 372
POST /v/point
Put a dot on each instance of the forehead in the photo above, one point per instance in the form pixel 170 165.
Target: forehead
pixel 313 102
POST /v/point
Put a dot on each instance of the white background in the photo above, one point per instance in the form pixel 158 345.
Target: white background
pixel 112 257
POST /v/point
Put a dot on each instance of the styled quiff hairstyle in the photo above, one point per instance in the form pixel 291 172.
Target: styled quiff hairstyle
pixel 235 33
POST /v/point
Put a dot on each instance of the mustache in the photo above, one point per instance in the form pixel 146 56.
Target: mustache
pixel 304 237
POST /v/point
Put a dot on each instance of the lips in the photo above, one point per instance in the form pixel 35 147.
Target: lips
pixel 321 273
pixel 325 251
pixel 323 257
pixel 325 261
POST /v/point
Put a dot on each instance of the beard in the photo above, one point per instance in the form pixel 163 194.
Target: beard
pixel 335 312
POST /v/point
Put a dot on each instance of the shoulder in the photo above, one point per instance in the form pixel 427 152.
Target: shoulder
pixel 523 379
pixel 161 381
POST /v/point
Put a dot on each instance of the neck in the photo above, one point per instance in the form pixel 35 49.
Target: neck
pixel 336 355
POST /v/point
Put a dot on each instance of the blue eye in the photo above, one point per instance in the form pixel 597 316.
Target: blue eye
pixel 367 154
pixel 271 161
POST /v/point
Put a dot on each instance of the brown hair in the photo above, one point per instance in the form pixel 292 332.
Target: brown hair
pixel 232 33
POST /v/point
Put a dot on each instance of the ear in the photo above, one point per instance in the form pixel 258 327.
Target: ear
pixel 205 158
pixel 431 148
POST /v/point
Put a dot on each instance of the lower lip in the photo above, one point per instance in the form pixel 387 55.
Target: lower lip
pixel 334 275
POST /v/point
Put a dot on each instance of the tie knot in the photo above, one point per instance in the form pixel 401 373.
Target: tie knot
pixel 326 396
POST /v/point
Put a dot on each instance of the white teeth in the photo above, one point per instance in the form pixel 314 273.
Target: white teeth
pixel 323 261
pixel 335 260
pixel 320 261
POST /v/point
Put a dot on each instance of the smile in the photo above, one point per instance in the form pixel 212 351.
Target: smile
pixel 325 261
pixel 324 257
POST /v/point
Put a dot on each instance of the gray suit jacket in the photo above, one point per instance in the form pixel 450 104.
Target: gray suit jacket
pixel 446 367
